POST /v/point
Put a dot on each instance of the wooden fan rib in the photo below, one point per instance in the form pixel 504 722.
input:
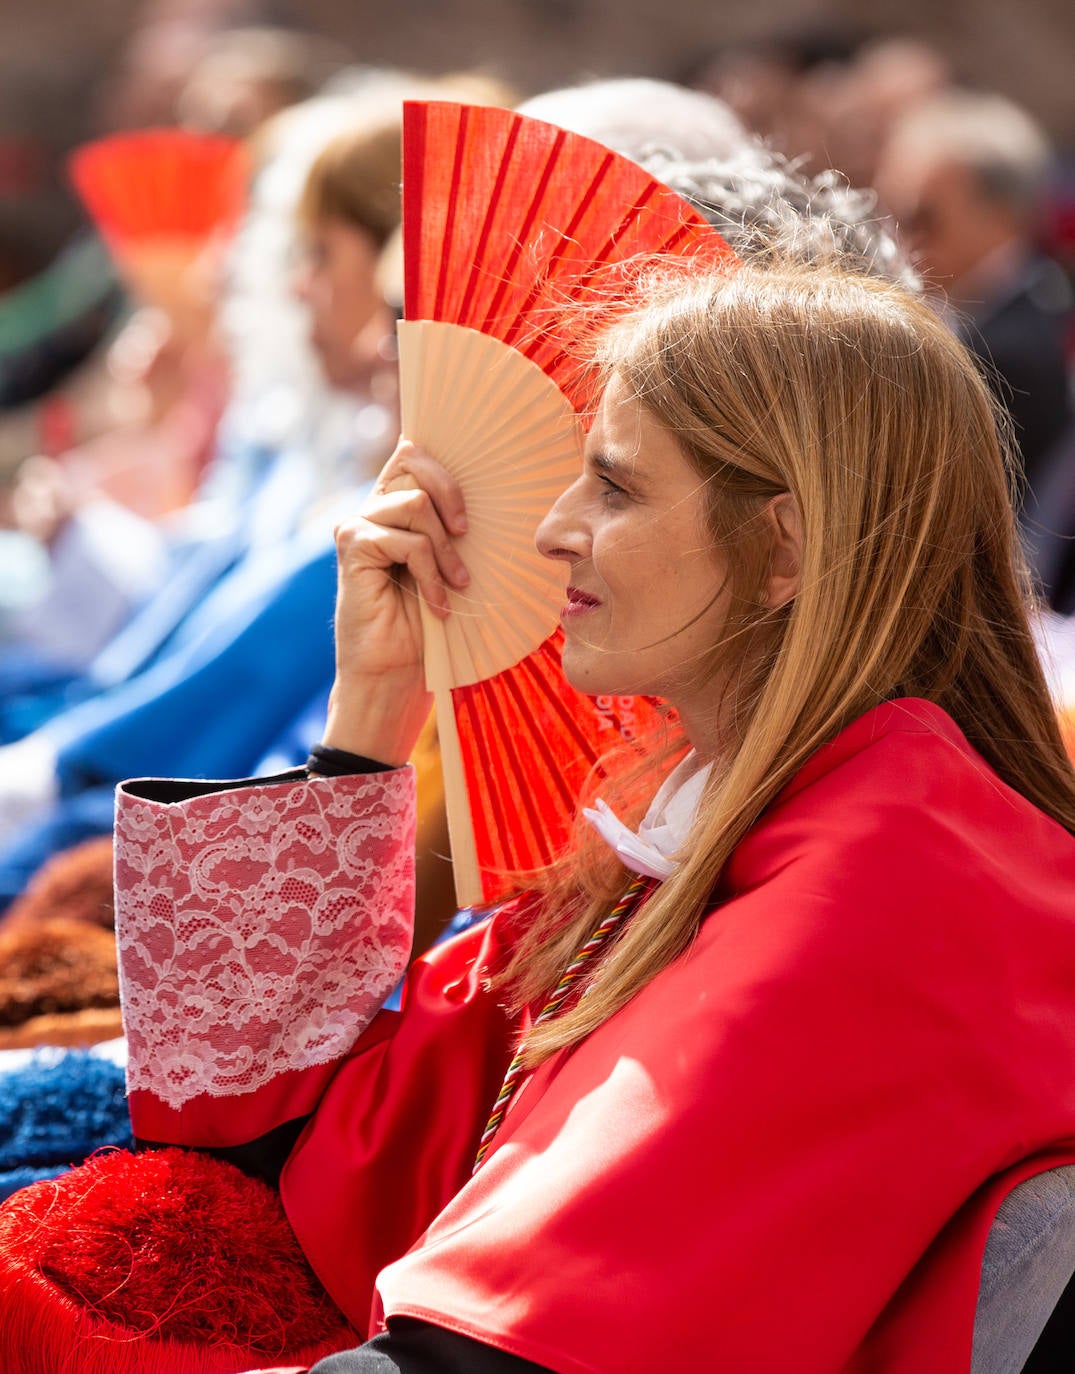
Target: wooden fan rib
pixel 533 486
pixel 523 416
pixel 554 768
pixel 495 591
pixel 515 631
pixel 567 237
pixel 532 420
pixel 449 383
pixel 562 366
pixel 522 237
pixel 514 440
pixel 606 254
pixel 507 579
pixel 546 212
pixel 584 746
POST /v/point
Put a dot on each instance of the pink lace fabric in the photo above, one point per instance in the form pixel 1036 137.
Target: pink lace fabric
pixel 260 929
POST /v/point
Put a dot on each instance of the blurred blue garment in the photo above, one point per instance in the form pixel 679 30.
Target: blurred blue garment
pixel 254 498
pixel 57 1107
pixel 254 657
pixel 214 705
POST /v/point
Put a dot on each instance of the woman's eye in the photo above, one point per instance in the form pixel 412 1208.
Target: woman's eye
pixel 609 489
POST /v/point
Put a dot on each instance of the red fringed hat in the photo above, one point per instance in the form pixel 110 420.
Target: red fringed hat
pixel 166 1262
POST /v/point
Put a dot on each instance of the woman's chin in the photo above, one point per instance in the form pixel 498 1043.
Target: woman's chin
pixel 593 679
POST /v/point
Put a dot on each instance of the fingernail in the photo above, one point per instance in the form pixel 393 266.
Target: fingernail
pixel 461 577
pixel 461 524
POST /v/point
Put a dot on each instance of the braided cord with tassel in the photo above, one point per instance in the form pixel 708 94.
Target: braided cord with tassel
pixel 581 964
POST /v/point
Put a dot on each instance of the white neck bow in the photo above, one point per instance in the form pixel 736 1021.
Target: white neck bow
pixel 652 849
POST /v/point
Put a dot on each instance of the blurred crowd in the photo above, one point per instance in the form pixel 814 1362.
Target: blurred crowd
pixel 197 376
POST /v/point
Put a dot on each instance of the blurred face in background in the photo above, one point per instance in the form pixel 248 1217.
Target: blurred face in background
pixel 337 281
pixel 946 220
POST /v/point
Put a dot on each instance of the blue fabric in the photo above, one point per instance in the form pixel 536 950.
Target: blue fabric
pixel 11 1180
pixel 257 494
pixel 292 748
pixel 56 1110
pixel 195 570
pixel 72 820
pixel 213 709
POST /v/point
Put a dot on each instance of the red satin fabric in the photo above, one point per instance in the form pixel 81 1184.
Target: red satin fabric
pixel 786 1152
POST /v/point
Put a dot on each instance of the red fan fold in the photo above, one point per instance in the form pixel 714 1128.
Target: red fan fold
pixel 507 220
pixel 160 185
pixel 520 230
pixel 529 741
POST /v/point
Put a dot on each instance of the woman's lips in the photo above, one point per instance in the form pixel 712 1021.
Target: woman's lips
pixel 578 603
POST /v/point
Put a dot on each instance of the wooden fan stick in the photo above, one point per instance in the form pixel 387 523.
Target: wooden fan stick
pixel 510 438
pixel 439 678
pixel 465 869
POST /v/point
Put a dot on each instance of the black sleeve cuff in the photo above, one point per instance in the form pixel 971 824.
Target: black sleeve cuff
pixel 338 763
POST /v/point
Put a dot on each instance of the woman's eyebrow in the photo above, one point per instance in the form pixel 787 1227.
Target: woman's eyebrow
pixel 610 466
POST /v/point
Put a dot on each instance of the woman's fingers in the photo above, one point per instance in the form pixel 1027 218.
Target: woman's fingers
pixel 429 476
pixel 414 510
pixel 373 543
pixel 415 493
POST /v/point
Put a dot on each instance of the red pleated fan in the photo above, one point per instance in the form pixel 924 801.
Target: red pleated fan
pixel 160 184
pixel 514 231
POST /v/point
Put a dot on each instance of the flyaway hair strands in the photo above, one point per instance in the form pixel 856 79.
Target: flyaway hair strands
pixel 513 230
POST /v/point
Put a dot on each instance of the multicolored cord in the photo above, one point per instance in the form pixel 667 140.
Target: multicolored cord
pixel 583 960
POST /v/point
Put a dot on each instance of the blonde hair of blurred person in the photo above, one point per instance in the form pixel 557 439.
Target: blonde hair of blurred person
pixel 348 211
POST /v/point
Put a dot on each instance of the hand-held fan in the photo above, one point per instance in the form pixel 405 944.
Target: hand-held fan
pixel 157 196
pixel 513 229
pixel 511 439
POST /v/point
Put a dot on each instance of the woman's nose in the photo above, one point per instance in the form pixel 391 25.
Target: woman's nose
pixel 561 533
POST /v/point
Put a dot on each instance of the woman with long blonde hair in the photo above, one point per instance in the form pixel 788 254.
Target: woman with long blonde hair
pixel 740 1083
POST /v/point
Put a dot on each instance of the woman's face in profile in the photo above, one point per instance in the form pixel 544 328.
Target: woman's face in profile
pixel 646 595
pixel 337 282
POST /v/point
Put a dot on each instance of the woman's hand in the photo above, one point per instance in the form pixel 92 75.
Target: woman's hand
pixel 399 546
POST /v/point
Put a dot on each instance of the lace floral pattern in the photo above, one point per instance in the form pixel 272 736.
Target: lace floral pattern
pixel 259 929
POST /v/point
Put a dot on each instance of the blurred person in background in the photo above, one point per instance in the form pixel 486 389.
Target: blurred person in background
pixel 855 106
pixel 260 572
pixel 758 199
pixel 965 175
pixel 234 677
pixel 244 76
pixel 772 83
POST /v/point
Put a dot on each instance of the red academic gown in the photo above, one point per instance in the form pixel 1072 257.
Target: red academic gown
pixel 785 1152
